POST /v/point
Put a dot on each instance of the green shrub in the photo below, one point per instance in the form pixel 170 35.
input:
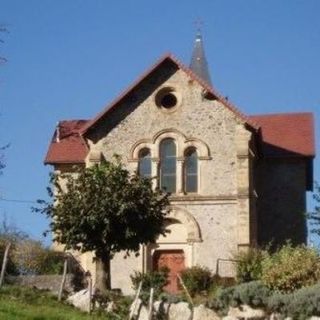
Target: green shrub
pixel 298 305
pixel 122 304
pixel 222 300
pixel 197 279
pixel 291 268
pixel 223 282
pixel 151 279
pixel 279 302
pixel 249 265
pixel 217 283
pixel 254 294
pixel 30 257
pixel 287 269
pixel 52 262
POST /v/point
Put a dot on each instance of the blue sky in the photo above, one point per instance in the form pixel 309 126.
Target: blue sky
pixel 68 59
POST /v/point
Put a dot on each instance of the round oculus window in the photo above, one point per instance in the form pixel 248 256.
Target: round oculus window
pixel 167 99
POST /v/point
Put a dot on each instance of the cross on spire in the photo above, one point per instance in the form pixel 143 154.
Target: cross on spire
pixel 199 24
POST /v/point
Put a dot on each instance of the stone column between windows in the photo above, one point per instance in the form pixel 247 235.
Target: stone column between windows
pixel 155 172
pixel 180 176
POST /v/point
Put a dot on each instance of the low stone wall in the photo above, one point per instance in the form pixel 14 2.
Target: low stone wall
pixel 177 311
pixel 183 311
pixel 43 282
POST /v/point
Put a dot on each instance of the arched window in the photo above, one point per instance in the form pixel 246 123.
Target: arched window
pixel 144 168
pixel 191 170
pixel 168 165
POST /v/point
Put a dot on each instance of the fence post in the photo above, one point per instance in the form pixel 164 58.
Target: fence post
pixel 150 304
pixel 135 301
pixel 185 289
pixel 4 263
pixel 90 292
pixel 63 281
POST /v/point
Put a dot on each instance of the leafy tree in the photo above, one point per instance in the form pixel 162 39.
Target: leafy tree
pixel 104 209
pixel 314 216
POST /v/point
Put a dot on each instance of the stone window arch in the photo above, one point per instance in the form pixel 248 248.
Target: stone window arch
pixel 137 147
pixel 182 144
pixel 202 148
pixel 188 220
pixel 187 235
pixel 174 134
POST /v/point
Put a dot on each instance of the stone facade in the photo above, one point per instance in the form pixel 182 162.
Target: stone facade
pixel 238 187
pixel 221 206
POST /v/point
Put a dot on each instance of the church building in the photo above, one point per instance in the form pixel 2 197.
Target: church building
pixel 236 180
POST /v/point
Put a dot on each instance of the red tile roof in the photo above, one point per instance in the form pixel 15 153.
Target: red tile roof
pixel 71 147
pixel 287 134
pixel 192 75
pixel 283 135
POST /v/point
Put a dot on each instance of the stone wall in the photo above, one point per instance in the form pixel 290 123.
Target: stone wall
pixel 43 282
pixel 281 201
pixel 219 230
pixel 139 119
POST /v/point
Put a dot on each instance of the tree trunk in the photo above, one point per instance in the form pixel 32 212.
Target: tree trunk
pixel 103 278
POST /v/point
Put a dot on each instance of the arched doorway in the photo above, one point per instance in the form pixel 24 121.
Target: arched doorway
pixel 174 260
pixel 175 249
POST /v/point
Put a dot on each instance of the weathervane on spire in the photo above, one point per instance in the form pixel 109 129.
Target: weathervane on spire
pixel 199 24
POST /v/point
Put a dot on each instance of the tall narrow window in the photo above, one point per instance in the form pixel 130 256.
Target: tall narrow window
pixel 168 165
pixel 145 163
pixel 191 170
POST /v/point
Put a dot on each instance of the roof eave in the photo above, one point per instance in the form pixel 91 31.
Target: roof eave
pixel 55 162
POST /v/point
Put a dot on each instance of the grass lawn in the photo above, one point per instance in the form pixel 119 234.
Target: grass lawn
pixel 18 303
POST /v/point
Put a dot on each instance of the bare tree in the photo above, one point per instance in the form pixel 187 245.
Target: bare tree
pixel 3 30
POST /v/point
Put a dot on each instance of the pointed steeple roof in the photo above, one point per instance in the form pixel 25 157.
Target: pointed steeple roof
pixel 199 64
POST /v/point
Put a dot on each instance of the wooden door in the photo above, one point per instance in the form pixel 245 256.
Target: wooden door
pixel 174 261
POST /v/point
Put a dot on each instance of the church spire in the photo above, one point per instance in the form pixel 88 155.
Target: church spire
pixel 198 62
